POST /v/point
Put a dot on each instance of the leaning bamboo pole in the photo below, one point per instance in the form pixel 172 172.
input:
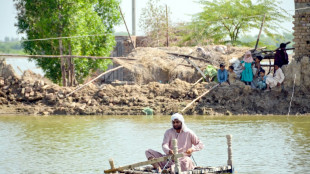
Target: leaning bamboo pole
pixel 260 31
pixel 199 97
pixel 79 88
pixel 197 81
pixel 120 10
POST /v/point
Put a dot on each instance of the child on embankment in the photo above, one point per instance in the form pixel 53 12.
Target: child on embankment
pixel 222 74
pixel 231 75
pixel 276 79
pixel 257 68
pixel 247 73
pixel 261 80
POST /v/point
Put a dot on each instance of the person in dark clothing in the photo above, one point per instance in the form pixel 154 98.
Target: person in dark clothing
pixel 281 57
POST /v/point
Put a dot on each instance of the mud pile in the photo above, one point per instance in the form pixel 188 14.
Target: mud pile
pixel 39 97
pixel 156 65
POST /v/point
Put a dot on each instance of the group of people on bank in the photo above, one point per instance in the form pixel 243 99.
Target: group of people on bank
pixel 188 142
pixel 253 74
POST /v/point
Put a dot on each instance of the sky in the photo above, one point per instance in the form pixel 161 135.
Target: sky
pixel 181 12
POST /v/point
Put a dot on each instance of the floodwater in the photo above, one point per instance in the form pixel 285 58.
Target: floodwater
pixel 84 144
pixel 22 64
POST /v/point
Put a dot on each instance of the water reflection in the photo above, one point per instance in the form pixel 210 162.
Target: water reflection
pixel 59 144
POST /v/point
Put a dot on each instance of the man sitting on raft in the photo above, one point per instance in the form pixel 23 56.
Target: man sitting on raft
pixel 188 143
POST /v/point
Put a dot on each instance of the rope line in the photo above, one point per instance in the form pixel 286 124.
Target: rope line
pixel 169 160
pixel 55 38
pixel 194 159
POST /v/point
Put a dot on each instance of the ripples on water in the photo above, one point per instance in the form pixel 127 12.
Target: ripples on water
pixel 70 144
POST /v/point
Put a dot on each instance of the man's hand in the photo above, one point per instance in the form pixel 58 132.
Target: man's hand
pixel 189 151
pixel 171 152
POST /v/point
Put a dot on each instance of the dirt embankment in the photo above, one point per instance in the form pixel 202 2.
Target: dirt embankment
pixel 157 65
pixel 32 94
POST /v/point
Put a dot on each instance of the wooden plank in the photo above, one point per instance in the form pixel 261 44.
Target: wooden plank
pixel 197 170
pixel 268 51
pixel 152 161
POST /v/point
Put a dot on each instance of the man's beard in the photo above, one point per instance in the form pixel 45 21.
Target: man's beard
pixel 177 127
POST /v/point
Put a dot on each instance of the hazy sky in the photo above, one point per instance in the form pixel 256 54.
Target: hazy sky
pixel 181 11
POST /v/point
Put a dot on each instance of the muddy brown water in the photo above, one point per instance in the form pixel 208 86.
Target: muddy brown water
pixel 83 144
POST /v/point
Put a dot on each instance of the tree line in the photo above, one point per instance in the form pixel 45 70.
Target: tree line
pixel 220 22
pixel 11 46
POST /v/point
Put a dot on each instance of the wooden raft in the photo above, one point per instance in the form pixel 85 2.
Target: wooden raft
pixel 197 170
pixel 137 168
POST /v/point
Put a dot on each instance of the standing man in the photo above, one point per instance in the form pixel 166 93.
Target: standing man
pixel 188 143
pixel 281 57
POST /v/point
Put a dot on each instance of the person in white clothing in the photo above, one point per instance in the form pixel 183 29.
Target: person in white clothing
pixel 276 79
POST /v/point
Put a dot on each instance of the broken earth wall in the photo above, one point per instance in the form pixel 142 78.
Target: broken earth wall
pixel 299 67
pixel 302 29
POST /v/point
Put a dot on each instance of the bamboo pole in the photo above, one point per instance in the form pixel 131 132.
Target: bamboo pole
pixel 230 160
pixel 120 10
pixel 134 17
pixel 199 97
pixel 167 25
pixel 111 163
pixel 197 68
pixel 186 57
pixel 20 69
pixel 197 81
pixel 260 32
pixel 111 70
pixel 193 57
pixel 148 162
pixel 60 56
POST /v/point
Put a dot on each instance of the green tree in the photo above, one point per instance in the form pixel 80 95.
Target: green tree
pixel 223 19
pixel 266 41
pixel 61 18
